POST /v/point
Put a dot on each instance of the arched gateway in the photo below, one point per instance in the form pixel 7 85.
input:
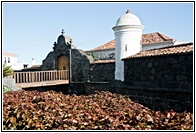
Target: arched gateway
pixel 66 57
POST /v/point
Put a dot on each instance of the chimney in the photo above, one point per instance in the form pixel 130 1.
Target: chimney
pixel 33 62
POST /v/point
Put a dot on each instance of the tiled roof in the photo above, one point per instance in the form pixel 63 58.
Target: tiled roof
pixel 176 49
pixel 9 54
pixel 146 39
pixel 108 45
pixel 103 61
pixel 34 67
pixel 154 38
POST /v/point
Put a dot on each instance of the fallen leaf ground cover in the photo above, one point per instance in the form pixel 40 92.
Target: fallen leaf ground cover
pixel 50 110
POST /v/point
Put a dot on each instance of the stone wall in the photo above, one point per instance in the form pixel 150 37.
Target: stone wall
pixel 80 66
pixel 162 82
pixel 49 62
pixel 169 71
pixel 102 72
pixel 157 99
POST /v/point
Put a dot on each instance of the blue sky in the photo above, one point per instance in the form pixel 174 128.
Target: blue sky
pixel 30 29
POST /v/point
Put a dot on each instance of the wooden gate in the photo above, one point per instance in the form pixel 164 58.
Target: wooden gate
pixel 63 63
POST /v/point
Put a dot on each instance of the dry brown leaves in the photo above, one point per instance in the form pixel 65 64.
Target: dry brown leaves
pixel 35 110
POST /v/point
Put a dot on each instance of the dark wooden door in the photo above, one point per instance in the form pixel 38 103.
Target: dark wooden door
pixel 63 62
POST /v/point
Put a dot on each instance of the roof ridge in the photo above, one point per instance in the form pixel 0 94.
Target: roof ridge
pixel 178 45
pixel 102 45
pixel 9 53
pixel 163 36
pixel 150 33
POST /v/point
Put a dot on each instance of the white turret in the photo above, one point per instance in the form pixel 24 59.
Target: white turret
pixel 128 35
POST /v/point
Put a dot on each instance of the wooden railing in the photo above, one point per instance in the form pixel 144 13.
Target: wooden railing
pixel 40 76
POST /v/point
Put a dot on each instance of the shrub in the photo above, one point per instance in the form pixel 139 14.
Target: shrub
pixel 7 70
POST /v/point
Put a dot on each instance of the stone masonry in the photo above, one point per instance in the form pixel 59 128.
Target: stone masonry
pixel 102 72
pixel 160 82
pixel 80 61
pixel 170 71
pixel 80 66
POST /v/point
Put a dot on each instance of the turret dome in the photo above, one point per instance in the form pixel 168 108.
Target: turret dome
pixel 128 19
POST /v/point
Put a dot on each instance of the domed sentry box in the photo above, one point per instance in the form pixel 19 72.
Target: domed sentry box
pixel 128 36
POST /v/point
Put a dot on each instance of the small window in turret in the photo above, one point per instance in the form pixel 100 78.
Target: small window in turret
pixel 125 47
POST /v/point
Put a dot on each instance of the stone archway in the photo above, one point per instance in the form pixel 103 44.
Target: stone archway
pixel 63 63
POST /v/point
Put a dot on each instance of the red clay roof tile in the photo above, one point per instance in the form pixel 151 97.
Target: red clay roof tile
pixel 176 49
pixel 108 45
pixel 154 38
pixel 9 54
pixel 146 39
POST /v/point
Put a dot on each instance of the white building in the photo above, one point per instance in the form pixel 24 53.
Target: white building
pixel 148 41
pixel 129 40
pixel 11 59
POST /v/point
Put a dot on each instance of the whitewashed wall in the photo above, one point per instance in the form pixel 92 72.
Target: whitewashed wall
pixel 157 45
pixel 104 54
pixel 13 62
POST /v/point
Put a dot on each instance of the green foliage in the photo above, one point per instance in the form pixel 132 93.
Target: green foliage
pixel 88 81
pixel 7 70
pixel 5 89
pixel 91 54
